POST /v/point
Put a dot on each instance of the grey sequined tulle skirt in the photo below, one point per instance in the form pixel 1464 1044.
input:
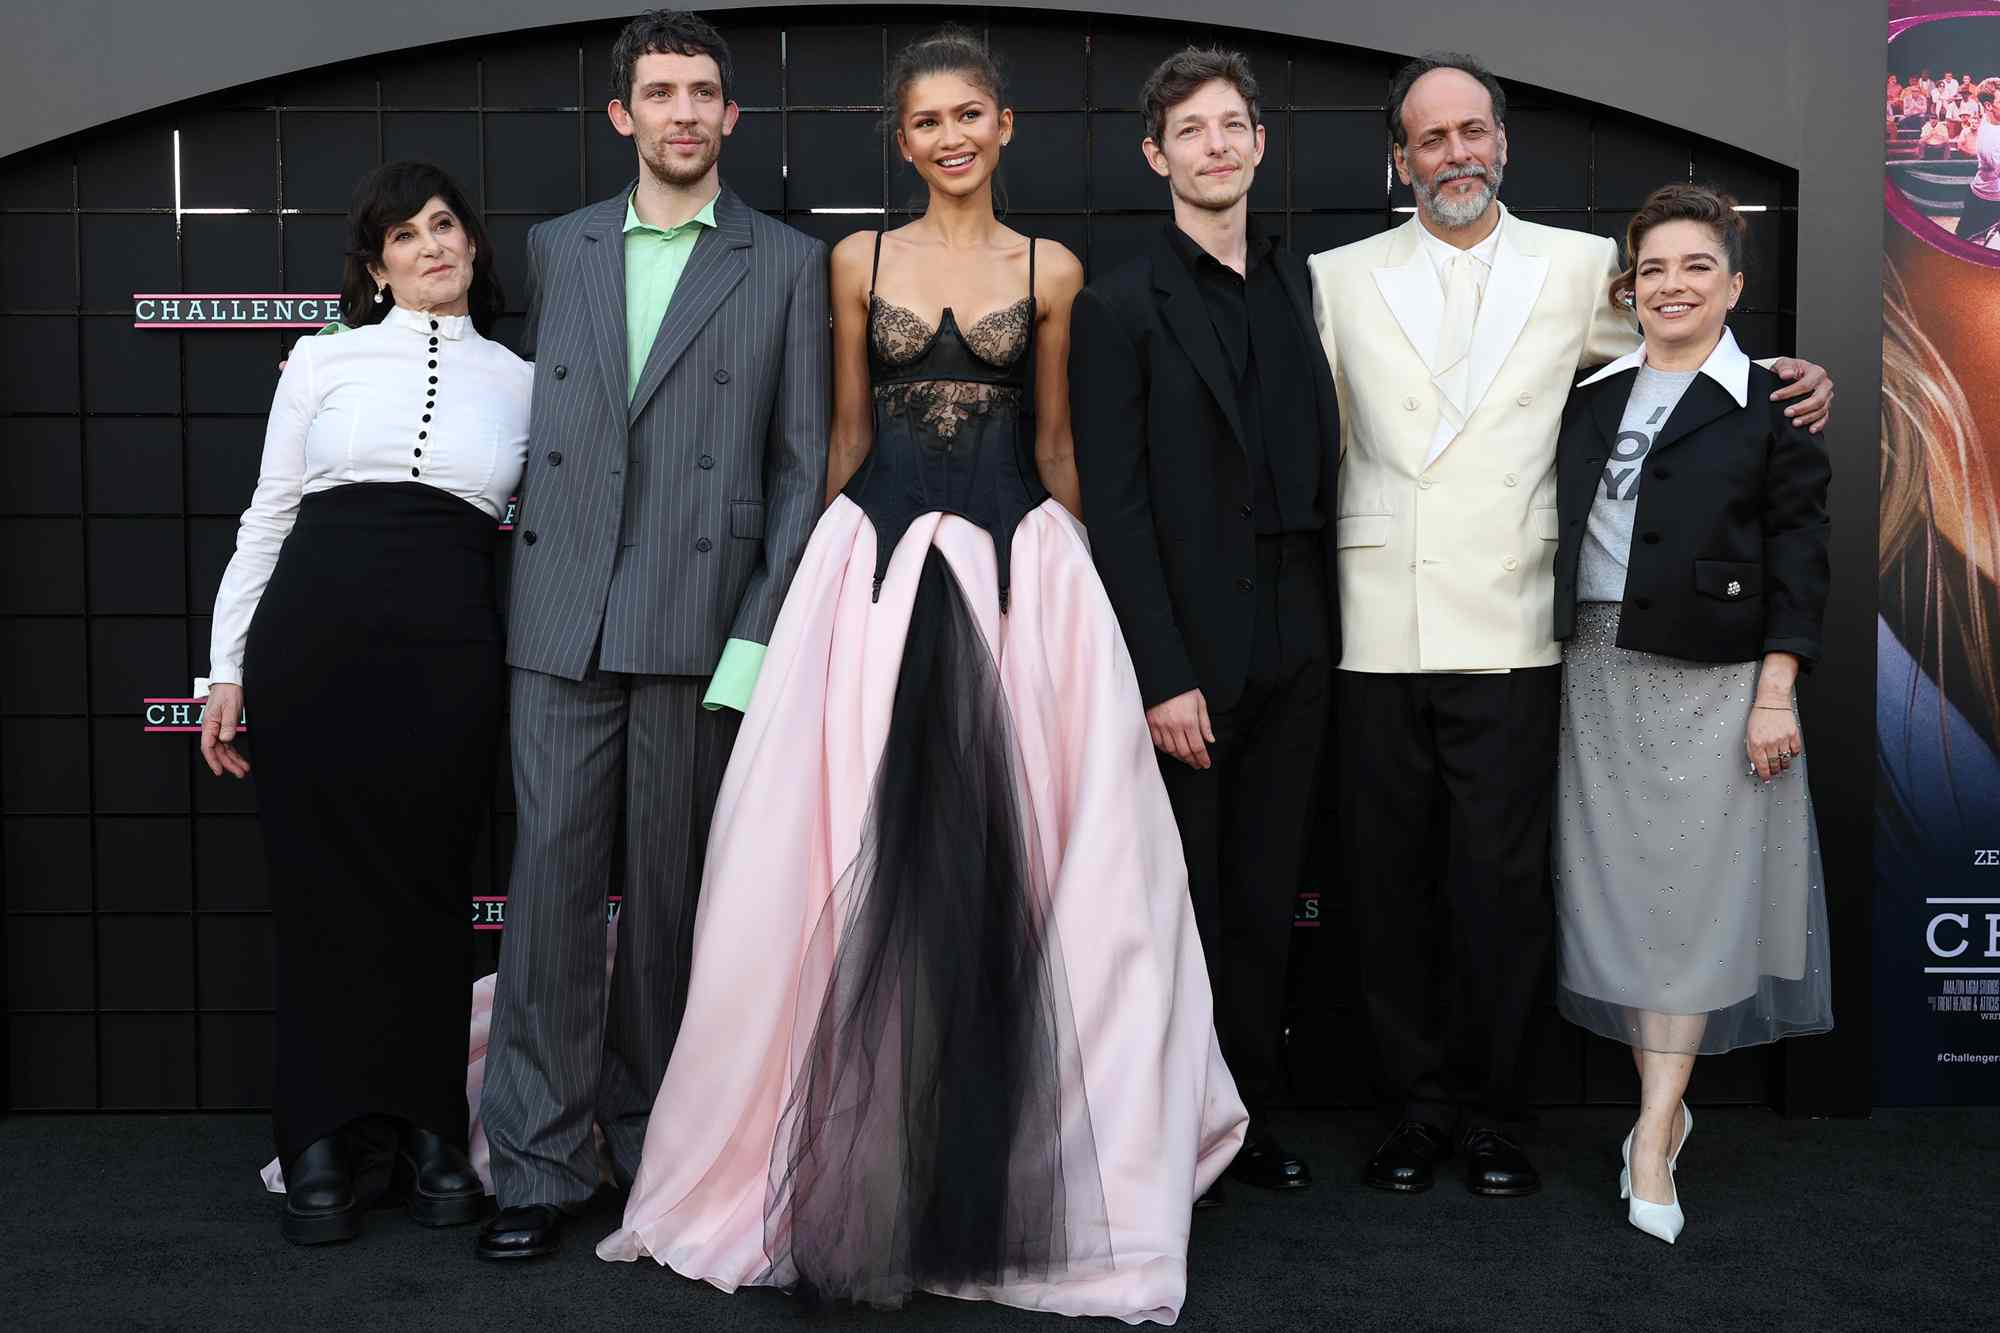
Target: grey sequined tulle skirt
pixel 1691 912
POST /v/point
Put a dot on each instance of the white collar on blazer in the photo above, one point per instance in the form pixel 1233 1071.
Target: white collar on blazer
pixel 1726 365
pixel 1409 285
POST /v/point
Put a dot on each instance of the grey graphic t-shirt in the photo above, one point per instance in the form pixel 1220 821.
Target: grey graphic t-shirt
pixel 1607 538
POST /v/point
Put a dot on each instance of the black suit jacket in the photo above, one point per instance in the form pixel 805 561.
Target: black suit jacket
pixel 1166 475
pixel 1729 543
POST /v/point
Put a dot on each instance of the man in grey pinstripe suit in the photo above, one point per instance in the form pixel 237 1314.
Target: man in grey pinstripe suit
pixel 676 464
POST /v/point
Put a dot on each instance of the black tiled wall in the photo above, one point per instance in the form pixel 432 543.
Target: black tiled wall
pixel 138 950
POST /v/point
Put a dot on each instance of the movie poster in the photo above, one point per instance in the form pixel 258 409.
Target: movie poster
pixel 1937 802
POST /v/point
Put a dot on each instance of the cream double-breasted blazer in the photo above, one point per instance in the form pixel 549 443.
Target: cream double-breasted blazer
pixel 1448 564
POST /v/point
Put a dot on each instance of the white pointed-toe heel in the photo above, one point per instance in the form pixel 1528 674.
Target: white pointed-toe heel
pixel 1663 1220
pixel 1687 1128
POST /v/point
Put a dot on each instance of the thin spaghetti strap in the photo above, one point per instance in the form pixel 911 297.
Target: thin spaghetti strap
pixel 876 267
pixel 1031 268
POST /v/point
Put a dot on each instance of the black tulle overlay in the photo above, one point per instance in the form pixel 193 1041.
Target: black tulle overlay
pixel 929 1142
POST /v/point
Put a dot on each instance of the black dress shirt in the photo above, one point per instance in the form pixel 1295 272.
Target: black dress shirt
pixel 1274 392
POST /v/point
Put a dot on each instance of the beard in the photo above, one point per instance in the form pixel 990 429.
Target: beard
pixel 1455 212
pixel 667 170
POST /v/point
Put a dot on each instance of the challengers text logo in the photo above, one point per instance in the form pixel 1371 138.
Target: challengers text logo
pixel 490 912
pixel 181 715
pixel 232 310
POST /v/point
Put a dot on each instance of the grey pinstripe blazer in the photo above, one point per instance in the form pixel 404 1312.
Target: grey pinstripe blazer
pixel 673 522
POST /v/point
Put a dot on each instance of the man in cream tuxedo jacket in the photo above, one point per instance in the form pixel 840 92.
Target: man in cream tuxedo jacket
pixel 1447 523
pixel 1454 340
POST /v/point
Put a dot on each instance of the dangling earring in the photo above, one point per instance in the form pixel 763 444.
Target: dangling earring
pixel 378 293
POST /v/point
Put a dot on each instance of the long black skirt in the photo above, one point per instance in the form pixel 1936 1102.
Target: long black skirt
pixel 374 676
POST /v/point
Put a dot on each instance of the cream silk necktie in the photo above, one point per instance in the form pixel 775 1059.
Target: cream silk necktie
pixel 1461 308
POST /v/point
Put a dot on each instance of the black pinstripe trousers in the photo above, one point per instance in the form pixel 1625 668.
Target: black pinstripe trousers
pixel 613 772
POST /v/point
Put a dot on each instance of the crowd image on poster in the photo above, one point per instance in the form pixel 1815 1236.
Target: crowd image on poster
pixel 1937 841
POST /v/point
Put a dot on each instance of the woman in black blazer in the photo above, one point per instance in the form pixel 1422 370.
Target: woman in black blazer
pixel 1691 580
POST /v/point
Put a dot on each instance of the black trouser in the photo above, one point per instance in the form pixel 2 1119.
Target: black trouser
pixel 1446 786
pixel 1243 820
pixel 1978 215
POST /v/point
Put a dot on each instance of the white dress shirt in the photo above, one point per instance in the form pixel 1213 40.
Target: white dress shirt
pixel 1455 344
pixel 357 407
pixel 1442 252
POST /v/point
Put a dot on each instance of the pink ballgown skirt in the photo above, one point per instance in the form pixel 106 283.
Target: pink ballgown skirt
pixel 1027 1118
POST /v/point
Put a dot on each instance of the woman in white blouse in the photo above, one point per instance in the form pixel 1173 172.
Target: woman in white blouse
pixel 360 613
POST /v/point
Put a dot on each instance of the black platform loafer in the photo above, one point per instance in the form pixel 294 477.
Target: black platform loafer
pixel 1263 1162
pixel 1496 1167
pixel 522 1233
pixel 1407 1160
pixel 320 1202
pixel 442 1188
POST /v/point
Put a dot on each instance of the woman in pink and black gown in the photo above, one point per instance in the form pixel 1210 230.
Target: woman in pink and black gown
pixel 948 1027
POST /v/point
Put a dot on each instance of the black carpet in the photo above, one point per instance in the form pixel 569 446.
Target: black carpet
pixel 1889 1223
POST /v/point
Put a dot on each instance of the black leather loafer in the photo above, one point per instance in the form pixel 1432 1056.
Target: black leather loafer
pixel 1263 1162
pixel 442 1187
pixel 320 1202
pixel 1496 1167
pixel 522 1233
pixel 1407 1160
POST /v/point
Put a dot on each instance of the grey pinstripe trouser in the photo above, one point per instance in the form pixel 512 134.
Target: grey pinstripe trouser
pixel 611 759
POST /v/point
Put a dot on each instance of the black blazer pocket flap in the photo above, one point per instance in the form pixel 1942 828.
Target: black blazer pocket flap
pixel 746 519
pixel 1728 580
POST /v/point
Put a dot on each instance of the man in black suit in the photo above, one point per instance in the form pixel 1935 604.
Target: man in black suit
pixel 1207 433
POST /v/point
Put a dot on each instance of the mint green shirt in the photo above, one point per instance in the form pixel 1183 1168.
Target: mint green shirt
pixel 655 258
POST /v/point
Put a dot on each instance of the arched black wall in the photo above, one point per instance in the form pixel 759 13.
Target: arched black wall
pixel 138 954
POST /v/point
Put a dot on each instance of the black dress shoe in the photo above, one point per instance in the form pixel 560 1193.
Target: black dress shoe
pixel 1407 1160
pixel 1209 1198
pixel 320 1202
pixel 1496 1167
pixel 522 1233
pixel 1263 1162
pixel 442 1187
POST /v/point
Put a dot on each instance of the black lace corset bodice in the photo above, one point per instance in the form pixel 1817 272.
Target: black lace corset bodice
pixel 954 424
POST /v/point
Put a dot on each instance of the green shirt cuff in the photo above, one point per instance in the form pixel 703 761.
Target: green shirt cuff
pixel 735 676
